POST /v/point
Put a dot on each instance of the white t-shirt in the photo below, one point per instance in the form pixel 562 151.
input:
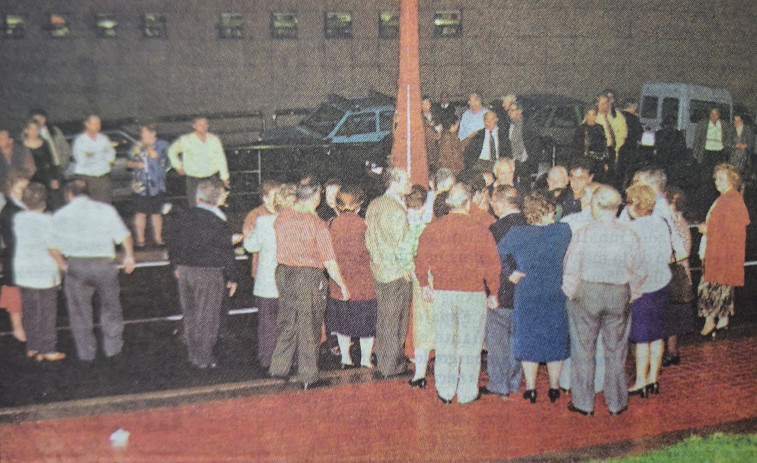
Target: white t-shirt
pixel 88 228
pixel 34 267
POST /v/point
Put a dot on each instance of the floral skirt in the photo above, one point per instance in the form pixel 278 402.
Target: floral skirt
pixel 714 299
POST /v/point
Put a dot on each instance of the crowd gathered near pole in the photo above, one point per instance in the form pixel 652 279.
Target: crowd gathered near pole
pixel 566 271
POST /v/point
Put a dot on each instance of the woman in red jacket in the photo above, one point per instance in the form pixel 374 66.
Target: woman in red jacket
pixel 722 250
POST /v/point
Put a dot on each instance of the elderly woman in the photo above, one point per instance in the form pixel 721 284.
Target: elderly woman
pixel 355 317
pixel 722 250
pixel 262 241
pixel 647 312
pixel 539 318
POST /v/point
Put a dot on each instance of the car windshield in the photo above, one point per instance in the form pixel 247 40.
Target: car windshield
pixel 323 120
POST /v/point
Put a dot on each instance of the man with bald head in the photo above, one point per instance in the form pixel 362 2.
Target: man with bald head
pixel 487 145
pixel 94 155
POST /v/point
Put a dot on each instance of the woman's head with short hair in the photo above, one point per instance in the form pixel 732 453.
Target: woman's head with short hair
pixel 640 199
pixel 537 206
pixel 349 199
pixel 417 197
pixel 284 196
pixel 733 175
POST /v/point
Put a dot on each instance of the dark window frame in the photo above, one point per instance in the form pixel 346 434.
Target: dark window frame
pixel 284 33
pixel 388 31
pixel 447 30
pixel 18 30
pixel 155 27
pixel 228 28
pixel 331 32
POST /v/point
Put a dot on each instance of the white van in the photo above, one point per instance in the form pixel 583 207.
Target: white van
pixel 687 103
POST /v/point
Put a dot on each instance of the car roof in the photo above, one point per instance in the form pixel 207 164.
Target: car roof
pixel 373 101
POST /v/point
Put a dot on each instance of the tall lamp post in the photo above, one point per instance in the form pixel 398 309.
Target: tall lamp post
pixel 409 148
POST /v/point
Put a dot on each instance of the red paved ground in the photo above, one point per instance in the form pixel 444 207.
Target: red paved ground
pixel 387 421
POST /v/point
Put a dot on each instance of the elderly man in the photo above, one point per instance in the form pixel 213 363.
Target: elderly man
pixel 94 155
pixel 86 231
pixel 602 274
pixel 487 145
pixel 525 144
pixel 462 258
pixel 386 219
pixel 303 250
pixel 200 250
pixel 505 372
pixel 202 157
pixel 472 119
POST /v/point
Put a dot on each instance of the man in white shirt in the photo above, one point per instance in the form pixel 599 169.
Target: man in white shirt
pixel 202 157
pixel 472 119
pixel 94 154
pixel 86 232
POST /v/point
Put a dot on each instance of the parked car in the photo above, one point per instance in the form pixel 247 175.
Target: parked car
pixel 340 135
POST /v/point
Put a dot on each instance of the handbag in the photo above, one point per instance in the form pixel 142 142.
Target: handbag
pixel 680 289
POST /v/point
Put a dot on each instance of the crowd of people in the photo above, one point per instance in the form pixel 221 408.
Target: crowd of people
pixel 485 255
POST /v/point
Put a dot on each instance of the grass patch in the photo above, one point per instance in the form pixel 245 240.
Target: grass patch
pixel 715 448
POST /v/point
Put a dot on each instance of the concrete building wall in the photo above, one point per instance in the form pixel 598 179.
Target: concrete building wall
pixel 575 47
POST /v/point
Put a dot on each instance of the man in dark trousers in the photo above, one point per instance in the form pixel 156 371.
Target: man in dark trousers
pixel 201 252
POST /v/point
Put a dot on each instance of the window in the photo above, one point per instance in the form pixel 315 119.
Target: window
pixel 540 116
pixel 338 24
pixel 358 124
pixel 386 121
pixel 670 109
pixel 565 117
pixel 701 110
pixel 389 25
pixel 106 26
pixel 284 26
pixel 448 23
pixel 13 26
pixel 230 25
pixel 58 26
pixel 154 25
pixel 323 120
pixel 649 107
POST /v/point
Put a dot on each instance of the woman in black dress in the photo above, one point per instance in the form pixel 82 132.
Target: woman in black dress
pixel 48 173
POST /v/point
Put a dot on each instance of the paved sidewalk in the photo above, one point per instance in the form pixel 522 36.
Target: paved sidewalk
pixel 713 388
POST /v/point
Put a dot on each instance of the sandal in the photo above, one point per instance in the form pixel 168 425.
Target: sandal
pixel 51 357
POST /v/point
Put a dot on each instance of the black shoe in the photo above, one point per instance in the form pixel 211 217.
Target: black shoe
pixel 653 388
pixel 668 361
pixel 484 391
pixel 444 401
pixel 619 412
pixel 572 408
pixel 553 394
pixel 314 384
pixel 420 383
pixel 642 392
pixel 530 395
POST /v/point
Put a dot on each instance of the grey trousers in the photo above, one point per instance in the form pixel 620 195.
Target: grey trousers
pixel 85 277
pixel 99 188
pixel 505 373
pixel 605 308
pixel 302 303
pixel 40 308
pixel 201 291
pixel 599 357
pixel 393 301
pixel 460 320
pixel 268 310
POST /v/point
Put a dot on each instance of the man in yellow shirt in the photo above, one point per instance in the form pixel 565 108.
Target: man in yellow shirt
pixel 202 157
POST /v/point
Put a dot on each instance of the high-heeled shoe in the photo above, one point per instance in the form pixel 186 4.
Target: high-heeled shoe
pixel 652 388
pixel 530 394
pixel 709 327
pixel 640 391
pixel 553 394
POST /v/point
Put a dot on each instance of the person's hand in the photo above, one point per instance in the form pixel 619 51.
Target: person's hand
pixel 516 276
pixel 428 294
pixel 180 171
pixel 232 288
pixel 54 184
pixel 345 293
pixel 702 228
pixel 492 302
pixel 227 183
pixel 176 273
pixel 129 265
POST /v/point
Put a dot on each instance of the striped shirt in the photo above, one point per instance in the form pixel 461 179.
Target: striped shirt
pixel 302 239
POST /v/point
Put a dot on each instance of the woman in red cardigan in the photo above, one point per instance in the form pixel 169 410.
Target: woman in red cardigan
pixel 722 250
